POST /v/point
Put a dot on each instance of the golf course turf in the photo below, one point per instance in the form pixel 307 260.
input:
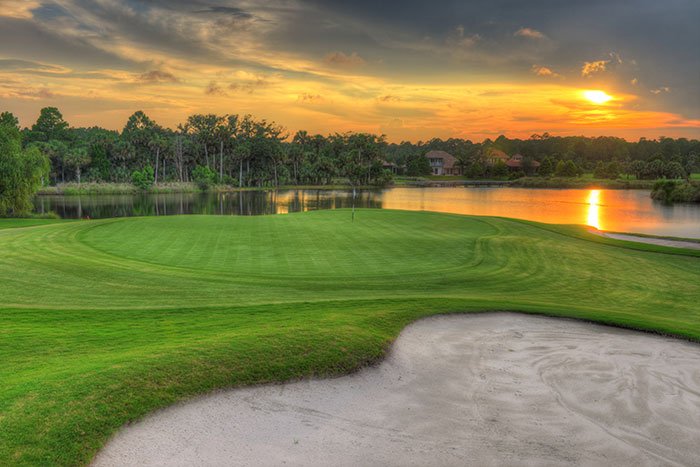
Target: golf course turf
pixel 105 321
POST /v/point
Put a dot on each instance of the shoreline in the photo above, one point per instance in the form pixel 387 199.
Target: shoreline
pixel 583 183
pixel 74 189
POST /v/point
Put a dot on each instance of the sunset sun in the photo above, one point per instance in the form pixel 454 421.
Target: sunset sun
pixel 597 96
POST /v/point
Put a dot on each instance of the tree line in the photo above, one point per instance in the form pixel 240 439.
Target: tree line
pixel 566 156
pixel 207 149
pixel 247 152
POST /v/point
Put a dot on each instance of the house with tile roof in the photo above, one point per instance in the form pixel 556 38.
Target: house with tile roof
pixel 443 163
pixel 517 162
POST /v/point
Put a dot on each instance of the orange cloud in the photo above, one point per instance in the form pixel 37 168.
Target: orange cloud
pixel 20 9
pixel 544 71
pixel 330 102
pixel 591 68
pixel 529 33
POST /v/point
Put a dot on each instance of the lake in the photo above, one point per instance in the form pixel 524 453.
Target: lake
pixel 613 210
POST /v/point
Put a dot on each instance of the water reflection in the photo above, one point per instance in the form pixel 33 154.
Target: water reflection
pixel 616 210
pixel 247 203
pixel 593 218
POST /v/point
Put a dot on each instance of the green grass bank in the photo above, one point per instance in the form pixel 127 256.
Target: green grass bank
pixel 107 320
pixel 583 183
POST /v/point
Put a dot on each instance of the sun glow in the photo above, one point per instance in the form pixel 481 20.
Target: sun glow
pixel 597 96
pixel 593 218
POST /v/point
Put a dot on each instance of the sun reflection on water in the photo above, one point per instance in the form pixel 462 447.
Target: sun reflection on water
pixel 594 209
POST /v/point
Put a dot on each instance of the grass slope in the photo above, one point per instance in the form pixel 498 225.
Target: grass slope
pixel 13 223
pixel 104 321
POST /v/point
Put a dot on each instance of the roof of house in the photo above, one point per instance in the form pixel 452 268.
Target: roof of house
pixel 517 161
pixel 492 153
pixel 449 160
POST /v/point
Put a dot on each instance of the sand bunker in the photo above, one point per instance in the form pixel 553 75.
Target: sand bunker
pixel 488 389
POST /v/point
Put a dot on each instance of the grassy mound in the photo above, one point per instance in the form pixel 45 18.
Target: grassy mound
pixel 293 246
pixel 105 321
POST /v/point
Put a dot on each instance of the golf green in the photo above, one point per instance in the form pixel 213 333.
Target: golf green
pixel 104 321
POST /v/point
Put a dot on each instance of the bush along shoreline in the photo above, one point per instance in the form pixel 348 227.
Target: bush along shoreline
pixel 676 191
pixel 105 188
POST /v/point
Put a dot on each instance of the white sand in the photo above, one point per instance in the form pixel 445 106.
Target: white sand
pixel 651 240
pixel 492 389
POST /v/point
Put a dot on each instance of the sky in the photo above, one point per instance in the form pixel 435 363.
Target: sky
pixel 412 70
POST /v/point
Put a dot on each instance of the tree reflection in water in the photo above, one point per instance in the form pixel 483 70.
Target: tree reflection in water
pixel 615 210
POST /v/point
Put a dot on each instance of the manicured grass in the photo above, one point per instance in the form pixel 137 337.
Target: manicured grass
pixel 105 321
pixel 13 223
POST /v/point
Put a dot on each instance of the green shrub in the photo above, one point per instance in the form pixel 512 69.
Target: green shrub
pixel 22 172
pixel 44 215
pixel 567 169
pixel 121 175
pixel 204 177
pixel 143 179
pixel 384 179
pixel 500 169
pixel 475 170
pixel 417 165
pixel 610 170
pixel 674 170
pixel 672 191
pixel 516 175
pixel 547 167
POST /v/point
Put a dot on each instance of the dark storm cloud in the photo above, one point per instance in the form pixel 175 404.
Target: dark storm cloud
pixel 213 89
pixel 157 76
pixel 236 12
pixel 187 30
pixel 342 59
pixel 657 40
pixel 29 40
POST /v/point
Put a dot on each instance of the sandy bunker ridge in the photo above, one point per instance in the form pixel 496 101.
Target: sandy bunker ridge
pixel 481 389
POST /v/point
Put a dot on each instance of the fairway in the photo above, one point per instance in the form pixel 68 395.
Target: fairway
pixel 105 321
